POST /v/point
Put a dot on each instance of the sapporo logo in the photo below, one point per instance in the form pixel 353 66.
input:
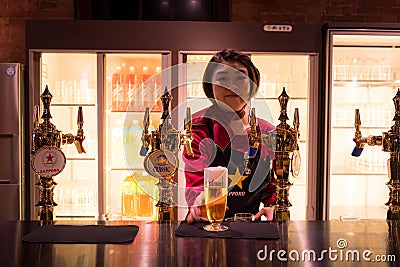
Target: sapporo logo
pixel 178 113
pixel 49 159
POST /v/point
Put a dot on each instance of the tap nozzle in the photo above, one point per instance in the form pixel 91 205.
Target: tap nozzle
pixel 80 136
pixel 145 133
pixel 296 121
pixel 358 139
pixel 254 140
pixel 36 117
pixel 187 140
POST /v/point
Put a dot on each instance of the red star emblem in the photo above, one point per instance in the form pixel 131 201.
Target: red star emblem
pixel 49 158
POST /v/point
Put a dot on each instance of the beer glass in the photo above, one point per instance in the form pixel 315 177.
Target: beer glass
pixel 243 217
pixel 215 194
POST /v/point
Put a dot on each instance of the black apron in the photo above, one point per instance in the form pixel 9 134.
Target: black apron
pixel 246 195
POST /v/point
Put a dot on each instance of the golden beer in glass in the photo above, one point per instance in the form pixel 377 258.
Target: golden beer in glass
pixel 215 194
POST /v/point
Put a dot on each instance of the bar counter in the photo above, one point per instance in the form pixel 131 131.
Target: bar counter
pixel 301 243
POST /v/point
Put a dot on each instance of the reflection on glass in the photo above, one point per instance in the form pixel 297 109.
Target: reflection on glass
pixel 215 253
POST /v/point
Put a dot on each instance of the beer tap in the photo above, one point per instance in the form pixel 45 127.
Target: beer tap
pixel 390 142
pixel 48 160
pixel 283 141
pixel 79 137
pixel 160 148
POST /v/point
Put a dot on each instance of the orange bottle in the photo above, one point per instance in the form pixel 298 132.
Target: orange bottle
pixel 157 90
pixel 132 84
pixel 146 196
pixel 129 197
pixel 145 89
pixel 117 90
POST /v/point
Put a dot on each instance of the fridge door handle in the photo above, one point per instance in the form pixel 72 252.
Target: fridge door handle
pixel 16 159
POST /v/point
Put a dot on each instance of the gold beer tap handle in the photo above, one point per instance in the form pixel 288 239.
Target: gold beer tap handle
pixel 46 97
pixel 296 122
pixel 358 139
pixel 36 117
pixel 166 100
pixel 36 135
pixel 254 139
pixel 371 140
pixel 283 101
pixel 266 139
pixel 188 138
pixel 80 136
pixel 145 134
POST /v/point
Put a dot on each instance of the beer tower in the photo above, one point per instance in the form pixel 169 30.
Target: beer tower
pixel 283 141
pixel 48 160
pixel 162 160
pixel 390 142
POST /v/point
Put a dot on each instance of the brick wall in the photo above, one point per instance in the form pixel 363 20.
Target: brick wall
pixel 13 14
pixel 307 11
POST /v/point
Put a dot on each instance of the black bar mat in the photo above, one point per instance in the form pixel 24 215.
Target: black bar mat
pixel 251 230
pixel 95 234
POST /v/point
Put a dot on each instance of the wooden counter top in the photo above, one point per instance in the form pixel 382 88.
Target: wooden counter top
pixel 302 243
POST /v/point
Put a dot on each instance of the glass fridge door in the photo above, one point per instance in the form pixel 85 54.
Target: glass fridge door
pixel 132 82
pixel 292 72
pixel 71 79
pixel 364 75
pixel 295 73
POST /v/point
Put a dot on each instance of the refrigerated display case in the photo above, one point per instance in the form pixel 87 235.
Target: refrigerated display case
pixel 362 69
pixel 126 48
pixel 294 73
pixel 72 85
pixel 132 82
pixel 120 114
pixel 277 71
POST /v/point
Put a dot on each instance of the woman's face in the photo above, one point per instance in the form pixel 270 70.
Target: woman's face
pixel 231 85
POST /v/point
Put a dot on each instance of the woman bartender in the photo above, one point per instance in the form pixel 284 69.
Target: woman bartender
pixel 221 138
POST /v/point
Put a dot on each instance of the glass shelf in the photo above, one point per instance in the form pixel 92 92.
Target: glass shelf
pixel 73 105
pixel 358 173
pixel 362 127
pixel 366 83
pixel 77 158
pixel 136 168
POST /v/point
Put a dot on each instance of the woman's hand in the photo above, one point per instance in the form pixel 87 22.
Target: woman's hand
pixel 197 212
pixel 267 212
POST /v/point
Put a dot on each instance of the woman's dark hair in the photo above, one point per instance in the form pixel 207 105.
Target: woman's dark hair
pixel 230 55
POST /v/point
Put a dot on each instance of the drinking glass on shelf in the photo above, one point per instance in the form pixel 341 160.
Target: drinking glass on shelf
pixel 215 192
pixel 110 216
pixel 340 68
